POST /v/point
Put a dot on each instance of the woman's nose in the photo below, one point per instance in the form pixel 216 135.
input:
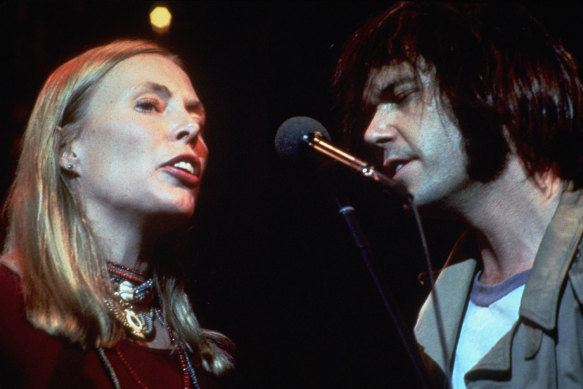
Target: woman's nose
pixel 185 133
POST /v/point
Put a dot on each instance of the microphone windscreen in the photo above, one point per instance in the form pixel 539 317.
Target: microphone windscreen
pixel 289 137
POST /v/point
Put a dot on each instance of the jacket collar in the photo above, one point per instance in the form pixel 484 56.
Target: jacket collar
pixel 541 295
pixel 553 259
pixel 452 289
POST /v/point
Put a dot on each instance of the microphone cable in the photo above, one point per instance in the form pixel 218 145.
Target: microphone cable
pixel 433 292
pixel 295 136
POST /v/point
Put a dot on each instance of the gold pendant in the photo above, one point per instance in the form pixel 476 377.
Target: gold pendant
pixel 135 323
pixel 139 324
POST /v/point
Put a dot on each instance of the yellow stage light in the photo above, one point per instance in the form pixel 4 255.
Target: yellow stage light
pixel 160 19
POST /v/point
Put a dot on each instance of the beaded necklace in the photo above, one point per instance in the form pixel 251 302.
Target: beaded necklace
pixel 133 295
pixel 140 324
pixel 188 374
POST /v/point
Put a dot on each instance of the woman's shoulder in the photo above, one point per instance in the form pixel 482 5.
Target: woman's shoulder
pixel 13 321
pixel 9 264
pixel 10 289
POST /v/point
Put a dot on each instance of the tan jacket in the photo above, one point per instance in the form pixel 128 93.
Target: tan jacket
pixel 544 348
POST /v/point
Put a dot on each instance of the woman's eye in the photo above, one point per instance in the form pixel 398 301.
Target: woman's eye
pixel 149 105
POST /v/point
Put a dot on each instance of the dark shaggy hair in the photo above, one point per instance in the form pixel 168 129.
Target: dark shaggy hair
pixel 503 78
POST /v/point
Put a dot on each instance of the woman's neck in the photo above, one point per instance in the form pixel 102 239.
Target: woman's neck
pixel 120 238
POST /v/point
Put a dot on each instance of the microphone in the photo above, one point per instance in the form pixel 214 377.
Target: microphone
pixel 301 132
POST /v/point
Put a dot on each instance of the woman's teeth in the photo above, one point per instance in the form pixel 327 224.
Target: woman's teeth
pixel 186 166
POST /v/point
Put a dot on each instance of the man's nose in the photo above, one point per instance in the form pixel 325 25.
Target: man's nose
pixel 381 130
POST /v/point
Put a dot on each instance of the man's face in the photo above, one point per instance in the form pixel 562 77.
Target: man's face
pixel 422 147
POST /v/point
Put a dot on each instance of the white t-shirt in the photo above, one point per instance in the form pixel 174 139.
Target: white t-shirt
pixel 491 313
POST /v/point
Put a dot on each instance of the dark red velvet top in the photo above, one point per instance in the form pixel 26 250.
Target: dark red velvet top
pixel 30 358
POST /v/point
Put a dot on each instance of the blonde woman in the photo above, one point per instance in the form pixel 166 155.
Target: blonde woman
pixel 109 172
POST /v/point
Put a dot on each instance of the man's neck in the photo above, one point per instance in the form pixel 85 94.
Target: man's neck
pixel 509 217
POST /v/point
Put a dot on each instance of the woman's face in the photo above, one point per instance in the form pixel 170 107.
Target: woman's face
pixel 140 153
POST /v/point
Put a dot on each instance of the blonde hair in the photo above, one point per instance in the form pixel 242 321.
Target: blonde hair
pixel 64 278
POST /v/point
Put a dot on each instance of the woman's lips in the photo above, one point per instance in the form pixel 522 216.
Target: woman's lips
pixel 186 168
pixel 187 179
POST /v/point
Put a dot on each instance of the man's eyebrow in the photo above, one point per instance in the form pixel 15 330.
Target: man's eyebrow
pixel 389 89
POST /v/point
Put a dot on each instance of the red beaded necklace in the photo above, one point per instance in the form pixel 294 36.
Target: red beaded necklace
pixel 129 368
pixel 132 300
pixel 188 374
pixel 126 272
pixel 189 380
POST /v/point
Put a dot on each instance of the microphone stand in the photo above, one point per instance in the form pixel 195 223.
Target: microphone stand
pixel 349 215
pixel 316 140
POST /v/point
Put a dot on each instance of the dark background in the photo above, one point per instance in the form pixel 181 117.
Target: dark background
pixel 273 265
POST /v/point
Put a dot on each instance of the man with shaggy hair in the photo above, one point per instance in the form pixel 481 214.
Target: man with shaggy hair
pixel 476 110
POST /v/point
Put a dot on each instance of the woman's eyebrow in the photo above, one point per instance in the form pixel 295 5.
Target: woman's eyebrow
pixel 193 106
pixel 159 89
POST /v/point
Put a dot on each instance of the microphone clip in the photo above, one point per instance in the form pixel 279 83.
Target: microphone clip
pixel 316 140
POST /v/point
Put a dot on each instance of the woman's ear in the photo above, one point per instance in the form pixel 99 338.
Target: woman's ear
pixel 68 159
pixel 69 162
